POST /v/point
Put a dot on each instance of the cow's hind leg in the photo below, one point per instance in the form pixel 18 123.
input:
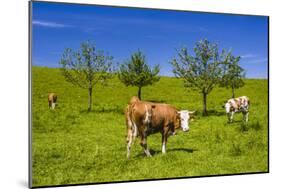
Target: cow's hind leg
pixel 53 105
pixel 143 143
pixel 129 142
pixel 130 135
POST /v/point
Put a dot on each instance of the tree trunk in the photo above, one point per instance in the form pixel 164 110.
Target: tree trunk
pixel 139 93
pixel 205 104
pixel 90 99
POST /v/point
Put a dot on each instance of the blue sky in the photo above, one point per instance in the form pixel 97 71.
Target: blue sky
pixel 157 33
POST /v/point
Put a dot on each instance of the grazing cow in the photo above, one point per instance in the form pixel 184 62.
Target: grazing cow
pixel 240 104
pixel 144 118
pixel 52 99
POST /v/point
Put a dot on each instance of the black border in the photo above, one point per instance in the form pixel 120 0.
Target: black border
pixel 128 181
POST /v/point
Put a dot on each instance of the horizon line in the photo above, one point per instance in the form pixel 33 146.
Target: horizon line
pixel 41 66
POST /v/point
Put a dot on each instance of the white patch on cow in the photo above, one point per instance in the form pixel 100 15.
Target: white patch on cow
pixel 146 151
pixel 53 105
pixel 184 116
pixel 135 130
pixel 163 148
pixel 147 116
pixel 227 107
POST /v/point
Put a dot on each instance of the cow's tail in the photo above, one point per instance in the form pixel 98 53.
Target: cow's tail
pixel 130 123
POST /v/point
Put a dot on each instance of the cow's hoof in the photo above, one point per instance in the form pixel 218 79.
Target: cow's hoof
pixel 148 155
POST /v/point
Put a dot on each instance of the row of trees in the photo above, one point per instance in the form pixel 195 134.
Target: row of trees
pixel 202 70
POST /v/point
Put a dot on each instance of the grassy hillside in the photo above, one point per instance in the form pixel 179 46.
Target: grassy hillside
pixel 72 146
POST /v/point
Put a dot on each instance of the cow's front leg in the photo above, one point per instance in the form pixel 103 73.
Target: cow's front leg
pixel 231 116
pixel 164 139
pixel 164 146
pixel 245 116
pixel 143 143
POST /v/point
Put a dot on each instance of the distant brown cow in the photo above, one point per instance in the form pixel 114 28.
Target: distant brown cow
pixel 52 99
pixel 144 118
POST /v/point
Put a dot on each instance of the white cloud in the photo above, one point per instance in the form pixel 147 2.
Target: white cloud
pixel 248 56
pixel 49 24
pixel 259 60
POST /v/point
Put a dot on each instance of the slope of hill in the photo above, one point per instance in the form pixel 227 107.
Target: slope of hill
pixel 72 146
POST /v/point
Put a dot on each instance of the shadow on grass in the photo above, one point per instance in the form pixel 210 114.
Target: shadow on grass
pixel 216 113
pixel 156 101
pixel 113 109
pixel 155 152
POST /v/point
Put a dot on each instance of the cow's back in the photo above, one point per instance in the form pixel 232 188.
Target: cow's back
pixel 52 97
pixel 164 114
pixel 139 111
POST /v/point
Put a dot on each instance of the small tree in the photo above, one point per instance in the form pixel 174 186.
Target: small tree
pixel 201 71
pixel 136 72
pixel 233 74
pixel 86 67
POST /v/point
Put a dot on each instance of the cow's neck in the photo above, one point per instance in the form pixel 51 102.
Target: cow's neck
pixel 177 125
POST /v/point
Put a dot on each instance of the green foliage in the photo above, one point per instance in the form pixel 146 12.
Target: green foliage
pixel 136 72
pixel 86 67
pixel 202 71
pixel 233 73
pixel 70 146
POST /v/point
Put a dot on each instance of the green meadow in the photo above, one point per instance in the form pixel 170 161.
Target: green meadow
pixel 73 146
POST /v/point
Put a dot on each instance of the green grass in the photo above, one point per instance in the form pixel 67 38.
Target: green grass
pixel 72 146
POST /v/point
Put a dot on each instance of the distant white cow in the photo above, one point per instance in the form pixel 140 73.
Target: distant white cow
pixel 234 105
pixel 52 99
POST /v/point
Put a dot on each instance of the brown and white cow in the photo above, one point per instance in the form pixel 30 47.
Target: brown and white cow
pixel 144 118
pixel 234 105
pixel 52 99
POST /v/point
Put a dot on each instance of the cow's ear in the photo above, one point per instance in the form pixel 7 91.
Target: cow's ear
pixel 191 112
pixel 191 115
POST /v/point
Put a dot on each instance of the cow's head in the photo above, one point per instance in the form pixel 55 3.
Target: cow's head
pixel 227 107
pixel 184 119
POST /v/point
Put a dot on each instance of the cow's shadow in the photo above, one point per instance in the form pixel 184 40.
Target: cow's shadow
pixel 115 109
pixel 156 101
pixel 216 113
pixel 159 152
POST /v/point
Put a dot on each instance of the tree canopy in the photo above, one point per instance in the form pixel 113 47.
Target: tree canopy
pixel 233 73
pixel 86 67
pixel 136 72
pixel 201 70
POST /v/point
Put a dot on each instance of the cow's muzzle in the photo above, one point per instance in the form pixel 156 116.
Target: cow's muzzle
pixel 185 130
